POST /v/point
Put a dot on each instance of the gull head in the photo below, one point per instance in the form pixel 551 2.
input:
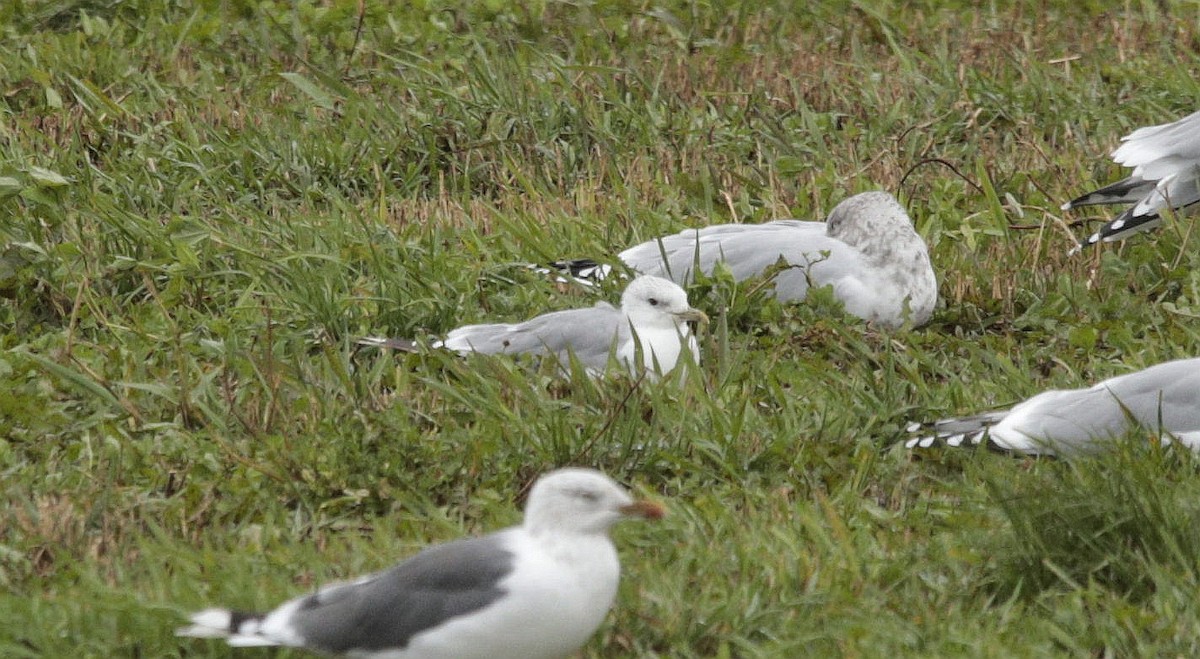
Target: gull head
pixel 873 222
pixel 582 501
pixel 653 301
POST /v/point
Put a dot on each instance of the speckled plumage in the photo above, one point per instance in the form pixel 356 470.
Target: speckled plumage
pixel 867 251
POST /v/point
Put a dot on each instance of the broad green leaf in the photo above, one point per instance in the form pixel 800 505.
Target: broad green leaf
pixel 70 375
pixel 46 178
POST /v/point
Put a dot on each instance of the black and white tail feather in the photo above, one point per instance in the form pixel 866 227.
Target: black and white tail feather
pixel 1119 228
pixel 1165 180
pixel 585 272
pixel 1126 191
pixel 962 432
pixel 239 628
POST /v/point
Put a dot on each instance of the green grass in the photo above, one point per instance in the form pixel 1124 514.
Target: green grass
pixel 203 205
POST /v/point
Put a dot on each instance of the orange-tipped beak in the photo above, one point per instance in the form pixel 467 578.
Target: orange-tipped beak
pixel 647 509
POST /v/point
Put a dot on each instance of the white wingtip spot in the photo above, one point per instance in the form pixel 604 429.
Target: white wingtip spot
pixel 213 618
pixel 209 623
pixel 598 273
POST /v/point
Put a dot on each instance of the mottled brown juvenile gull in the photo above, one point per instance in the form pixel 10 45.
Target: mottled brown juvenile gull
pixel 538 590
pixel 1165 179
pixel 867 251
pixel 1162 399
pixel 649 330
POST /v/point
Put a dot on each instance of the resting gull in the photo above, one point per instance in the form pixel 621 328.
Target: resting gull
pixel 535 590
pixel 652 321
pixel 1163 399
pixel 1165 178
pixel 867 251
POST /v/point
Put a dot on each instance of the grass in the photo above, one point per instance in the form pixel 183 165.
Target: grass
pixel 205 204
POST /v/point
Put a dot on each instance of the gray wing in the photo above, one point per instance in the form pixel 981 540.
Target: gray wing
pixel 748 250
pixel 1155 152
pixel 387 609
pixel 589 334
pixel 1162 398
pixel 1177 192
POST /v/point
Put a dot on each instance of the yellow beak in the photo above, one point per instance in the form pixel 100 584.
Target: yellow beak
pixel 693 315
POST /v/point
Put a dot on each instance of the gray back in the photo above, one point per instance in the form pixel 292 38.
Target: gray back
pixel 387 609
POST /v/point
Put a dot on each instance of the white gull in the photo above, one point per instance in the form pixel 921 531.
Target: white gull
pixel 538 590
pixel 867 251
pixel 649 330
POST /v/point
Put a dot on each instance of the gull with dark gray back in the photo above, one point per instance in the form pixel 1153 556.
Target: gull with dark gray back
pixel 538 590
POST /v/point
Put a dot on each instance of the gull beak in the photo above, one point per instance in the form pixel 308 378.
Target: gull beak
pixel 692 315
pixel 647 509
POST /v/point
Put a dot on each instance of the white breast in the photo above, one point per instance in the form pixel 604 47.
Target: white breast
pixel 661 344
pixel 558 594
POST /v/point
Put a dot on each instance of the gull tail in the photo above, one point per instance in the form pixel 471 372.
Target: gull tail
pixel 962 432
pixel 238 628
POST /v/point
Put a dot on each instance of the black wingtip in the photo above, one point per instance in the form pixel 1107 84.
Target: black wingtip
pixel 574 265
pixel 970 441
pixel 960 440
pixel 236 618
pixel 589 269
pixel 1125 191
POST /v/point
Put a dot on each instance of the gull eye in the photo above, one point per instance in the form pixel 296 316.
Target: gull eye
pixel 653 301
pixel 590 497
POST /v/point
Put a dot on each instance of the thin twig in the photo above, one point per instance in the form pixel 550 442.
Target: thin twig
pixel 358 29
pixel 939 161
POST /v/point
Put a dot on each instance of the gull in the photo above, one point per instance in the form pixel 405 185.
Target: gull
pixel 1163 399
pixel 649 330
pixel 1165 179
pixel 867 251
pixel 535 590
